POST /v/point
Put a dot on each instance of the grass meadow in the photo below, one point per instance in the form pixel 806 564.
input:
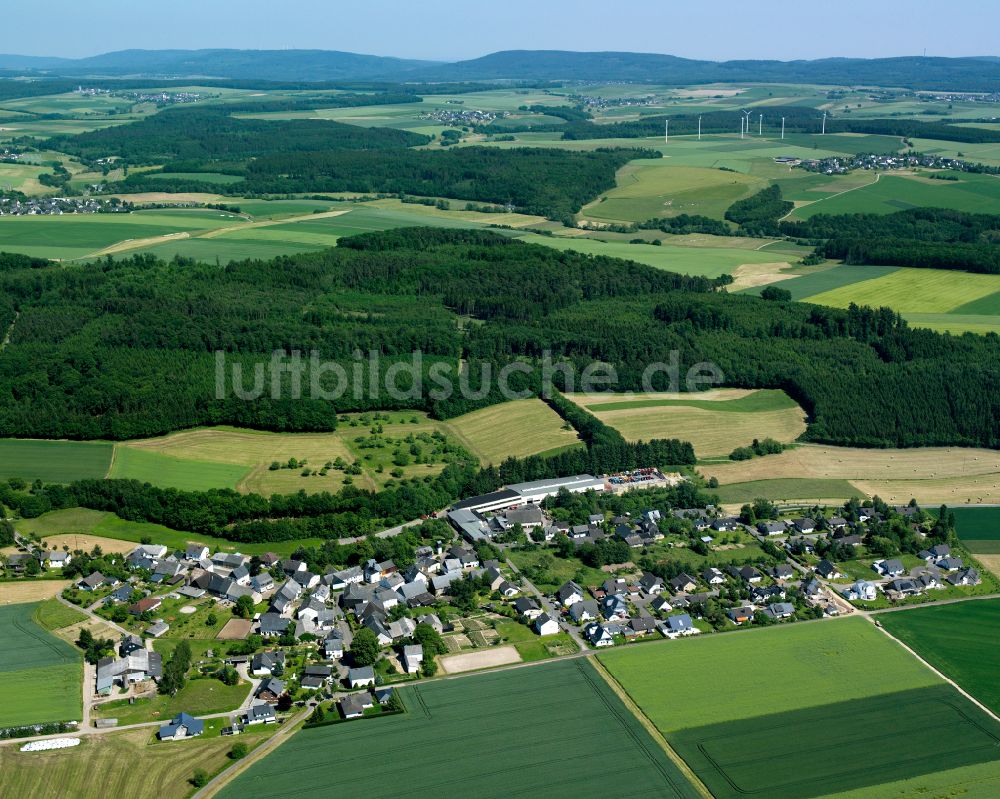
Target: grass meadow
pixel 714 422
pixel 820 696
pixel 40 673
pixel 648 189
pixel 979 529
pixel 513 429
pixel 931 474
pixel 82 528
pixel 898 192
pixel 550 730
pixel 961 640
pixel 123 764
pixel 54 461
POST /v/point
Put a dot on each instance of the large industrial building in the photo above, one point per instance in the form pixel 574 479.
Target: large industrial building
pixel 467 516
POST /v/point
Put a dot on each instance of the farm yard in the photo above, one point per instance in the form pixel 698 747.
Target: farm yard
pixel 826 691
pixel 511 429
pixel 715 422
pixel 40 673
pixel 574 722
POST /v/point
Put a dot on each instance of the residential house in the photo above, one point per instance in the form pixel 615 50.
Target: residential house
pixel 650 583
pixel 861 590
pixel 741 614
pixel 264 664
pixel 546 625
pixel 828 570
pixel 966 576
pixel 782 571
pixel 780 610
pixel 361 676
pixel 333 647
pixel 598 635
pixel 353 706
pixel 269 690
pixel 570 594
pixel 93 581
pixel 526 607
pixel 771 527
pixel 679 625
pixel 145 605
pixel 181 726
pixel 272 624
pixel 713 576
pixel 587 610
pixel 413 657
pixel 804 526
pixel 683 582
pixel 261 713
pixel 614 607
pixel 892 567
pixel 315 677
pixel 639 626
pixel 195 552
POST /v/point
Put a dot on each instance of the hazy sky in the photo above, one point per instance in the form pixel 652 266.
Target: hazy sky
pixel 450 30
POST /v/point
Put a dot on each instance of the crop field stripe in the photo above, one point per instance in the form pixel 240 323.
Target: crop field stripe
pixel 960 640
pixel 481 721
pixel 654 733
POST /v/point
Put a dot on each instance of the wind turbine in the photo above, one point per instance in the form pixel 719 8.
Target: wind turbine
pixel 782 128
pixel 747 115
pixel 760 125
pixel 699 128
pixel 666 131
pixel 824 123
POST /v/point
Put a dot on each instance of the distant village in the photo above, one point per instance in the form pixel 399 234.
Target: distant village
pixel 841 165
pixel 56 206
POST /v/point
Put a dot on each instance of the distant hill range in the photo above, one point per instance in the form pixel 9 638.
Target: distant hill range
pixel 980 74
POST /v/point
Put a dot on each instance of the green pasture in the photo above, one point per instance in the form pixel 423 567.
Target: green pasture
pixel 777 669
pixel 703 261
pixel 977 523
pixel 786 488
pixel 552 730
pixel 961 640
pixel 54 461
pixel 204 177
pixel 93 523
pixel 77 235
pixel 649 189
pixel 755 402
pixel 810 708
pixel 973 193
pixel 41 674
pixel 845 745
pixel 926 291
pixel 168 471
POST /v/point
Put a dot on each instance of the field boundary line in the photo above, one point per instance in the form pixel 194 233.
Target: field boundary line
pixel 656 735
pixel 111 463
pixel 943 676
pixel 838 194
